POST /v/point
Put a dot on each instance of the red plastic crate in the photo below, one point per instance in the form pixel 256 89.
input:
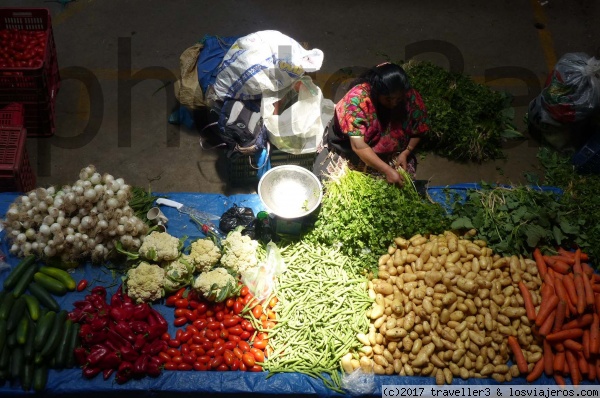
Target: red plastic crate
pixel 16 174
pixel 34 87
pixel 11 115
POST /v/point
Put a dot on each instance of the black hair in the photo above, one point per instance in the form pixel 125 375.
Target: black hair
pixel 385 79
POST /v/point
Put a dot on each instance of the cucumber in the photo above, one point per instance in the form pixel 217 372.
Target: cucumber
pixel 62 276
pixel 11 340
pixel 23 329
pixel 27 375
pixel 5 358
pixel 25 280
pixel 58 328
pixel 73 343
pixel 43 330
pixel 15 275
pixel 33 306
pixel 54 286
pixel 63 345
pixel 28 349
pixel 3 333
pixel 16 313
pixel 17 360
pixel 40 378
pixel 7 304
pixel 44 296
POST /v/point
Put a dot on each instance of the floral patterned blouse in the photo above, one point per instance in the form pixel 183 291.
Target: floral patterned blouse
pixel 356 116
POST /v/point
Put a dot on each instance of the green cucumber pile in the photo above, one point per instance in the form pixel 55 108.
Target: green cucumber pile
pixel 35 333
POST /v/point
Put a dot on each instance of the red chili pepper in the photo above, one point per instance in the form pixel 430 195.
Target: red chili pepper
pixel 82 285
pixel 97 353
pixel 141 311
pixel 96 337
pixel 128 307
pixel 77 315
pixel 80 355
pixel 118 314
pixel 107 372
pixel 139 327
pixel 112 360
pixel 80 303
pixel 158 319
pixel 84 330
pixel 109 344
pixel 116 339
pixel 124 372
pixel 99 323
pixel 154 367
pixel 89 307
pixel 125 331
pixel 98 302
pixel 140 342
pixel 129 354
pixel 139 366
pixel 154 348
pixel 89 372
pixel 154 332
pixel 115 301
pixel 99 291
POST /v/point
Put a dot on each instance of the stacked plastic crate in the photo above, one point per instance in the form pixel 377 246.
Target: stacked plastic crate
pixel 16 174
pixel 28 67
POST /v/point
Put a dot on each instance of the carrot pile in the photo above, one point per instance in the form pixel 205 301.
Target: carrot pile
pixel 567 320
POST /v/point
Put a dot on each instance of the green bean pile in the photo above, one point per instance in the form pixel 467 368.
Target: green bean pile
pixel 322 304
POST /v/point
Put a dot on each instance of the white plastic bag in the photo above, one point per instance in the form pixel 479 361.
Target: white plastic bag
pixel 560 114
pixel 261 280
pixel 572 91
pixel 263 61
pixel 299 128
pixel 359 382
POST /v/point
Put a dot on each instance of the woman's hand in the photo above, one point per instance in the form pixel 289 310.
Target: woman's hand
pixel 393 177
pixel 402 159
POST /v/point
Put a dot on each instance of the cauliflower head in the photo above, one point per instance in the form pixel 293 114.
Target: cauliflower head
pixel 239 252
pixel 216 285
pixel 160 246
pixel 204 254
pixel 178 273
pixel 145 282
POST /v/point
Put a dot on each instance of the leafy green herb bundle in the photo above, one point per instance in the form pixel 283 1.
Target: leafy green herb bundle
pixel 468 121
pixel 516 220
pixel 363 214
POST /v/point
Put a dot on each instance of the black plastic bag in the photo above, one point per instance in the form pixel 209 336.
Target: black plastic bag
pixel 234 217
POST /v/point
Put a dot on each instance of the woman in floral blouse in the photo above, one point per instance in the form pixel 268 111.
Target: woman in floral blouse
pixel 378 124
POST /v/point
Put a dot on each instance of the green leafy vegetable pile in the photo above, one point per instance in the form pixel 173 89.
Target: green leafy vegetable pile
pixel 581 195
pixel 363 214
pixel 517 220
pixel 468 121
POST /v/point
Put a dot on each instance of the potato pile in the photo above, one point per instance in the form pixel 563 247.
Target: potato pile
pixel 444 307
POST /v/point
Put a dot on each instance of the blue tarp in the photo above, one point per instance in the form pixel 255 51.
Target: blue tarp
pixel 71 381
pixel 211 55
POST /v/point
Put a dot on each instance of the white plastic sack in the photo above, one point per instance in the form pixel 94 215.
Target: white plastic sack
pixel 299 128
pixel 572 91
pixel 263 61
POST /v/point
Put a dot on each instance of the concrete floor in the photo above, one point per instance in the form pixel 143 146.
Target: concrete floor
pixel 118 60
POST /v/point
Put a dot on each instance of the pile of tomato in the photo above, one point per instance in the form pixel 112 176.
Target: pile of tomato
pixel 217 336
pixel 22 48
